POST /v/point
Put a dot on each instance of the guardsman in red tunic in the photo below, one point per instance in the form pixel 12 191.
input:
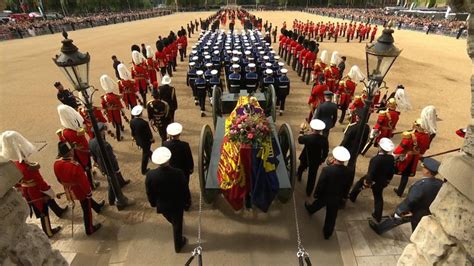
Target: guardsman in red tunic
pixel 386 122
pixel 150 65
pixel 331 73
pixel 37 193
pixel 301 57
pixel 322 32
pixel 169 55
pixel 112 105
pixel 87 121
pixel 74 133
pixel 282 41
pixel 161 61
pixel 357 104
pixel 287 45
pixel 308 61
pixel 320 65
pixel 336 32
pixel 317 95
pixel 296 52
pixel 413 145
pixel 292 49
pixel 140 73
pixel 373 33
pixel 71 175
pixel 346 90
pixel 182 42
pixel 127 87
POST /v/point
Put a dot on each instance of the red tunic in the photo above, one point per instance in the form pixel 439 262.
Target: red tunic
pixel 140 74
pixel 128 90
pixel 32 185
pixel 317 95
pixel 81 149
pixel 160 59
pixel 87 121
pixel 331 75
pixel 309 59
pixel 182 42
pixel 168 53
pixel 71 175
pixel 302 55
pixel 413 146
pixel 150 66
pixel 386 124
pixel 346 92
pixel 318 69
pixel 298 49
pixel 113 106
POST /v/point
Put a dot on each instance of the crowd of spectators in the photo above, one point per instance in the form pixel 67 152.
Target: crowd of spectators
pixel 428 24
pixel 16 29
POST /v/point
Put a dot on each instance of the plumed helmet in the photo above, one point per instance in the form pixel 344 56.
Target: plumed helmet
pixel 402 99
pixel 324 56
pixel 149 52
pixel 69 117
pixel 335 59
pixel 428 119
pixel 300 39
pixel 15 147
pixel 355 73
pixel 124 73
pixel 137 57
pixel 107 83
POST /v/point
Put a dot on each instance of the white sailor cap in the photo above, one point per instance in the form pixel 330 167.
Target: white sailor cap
pixel 235 59
pixel 161 155
pixel 272 52
pixel 174 129
pixel 195 58
pixel 208 64
pixel 247 52
pixel 266 57
pixel 205 53
pixel 192 63
pixel 268 71
pixel 199 72
pixel 268 64
pixel 214 72
pixel 317 124
pixel 216 52
pixel 235 66
pixel 251 65
pixel 386 144
pixel 341 154
pixel 281 64
pixel 235 52
pixel 276 57
pixel 259 47
pixel 194 52
pixel 284 70
pixel 215 47
pixel 206 47
pixel 138 109
pixel 207 57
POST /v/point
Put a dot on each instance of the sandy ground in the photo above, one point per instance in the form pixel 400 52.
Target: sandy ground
pixel 434 69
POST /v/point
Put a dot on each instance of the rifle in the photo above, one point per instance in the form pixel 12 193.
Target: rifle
pixel 441 153
pixel 367 146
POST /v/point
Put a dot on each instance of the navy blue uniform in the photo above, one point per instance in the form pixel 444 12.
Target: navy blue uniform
pixel 251 81
pixel 200 85
pixel 282 90
pixel 235 82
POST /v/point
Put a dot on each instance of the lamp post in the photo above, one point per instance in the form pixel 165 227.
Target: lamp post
pixel 75 66
pixel 379 57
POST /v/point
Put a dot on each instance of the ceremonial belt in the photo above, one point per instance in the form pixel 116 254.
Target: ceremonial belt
pixel 386 128
pixel 139 77
pixel 283 87
pixel 29 183
pixel 234 85
pixel 251 85
pixel 127 91
pixel 112 108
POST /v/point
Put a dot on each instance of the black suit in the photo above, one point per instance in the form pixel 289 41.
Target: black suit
pixel 349 141
pixel 327 112
pixel 141 132
pixel 166 190
pixel 380 173
pixel 181 158
pixel 168 94
pixel 333 182
pixel 315 151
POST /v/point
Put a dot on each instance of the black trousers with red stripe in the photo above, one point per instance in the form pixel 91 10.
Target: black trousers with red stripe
pixel 87 205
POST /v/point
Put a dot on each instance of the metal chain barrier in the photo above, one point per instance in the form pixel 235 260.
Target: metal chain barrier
pixel 302 255
pixel 197 252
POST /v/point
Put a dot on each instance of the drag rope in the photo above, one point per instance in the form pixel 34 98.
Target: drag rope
pixel 302 255
pixel 197 250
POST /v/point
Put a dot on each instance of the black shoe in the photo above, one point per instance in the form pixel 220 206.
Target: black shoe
pixel 95 228
pixel 111 202
pixel 146 171
pixel 306 206
pixel 326 237
pixel 187 206
pixel 126 182
pixel 374 227
pixel 184 242
pixel 342 203
pixel 64 210
pixel 352 198
pixel 396 192
pixel 55 231
pixel 203 114
pixel 376 218
pixel 101 206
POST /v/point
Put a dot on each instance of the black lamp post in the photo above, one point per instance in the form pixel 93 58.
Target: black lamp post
pixel 75 66
pixel 380 57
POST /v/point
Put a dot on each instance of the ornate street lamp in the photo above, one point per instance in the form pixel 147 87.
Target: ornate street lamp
pixel 380 57
pixel 75 66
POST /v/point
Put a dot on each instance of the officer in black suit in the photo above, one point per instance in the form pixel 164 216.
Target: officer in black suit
pixel 380 173
pixel 418 201
pixel 349 141
pixel 181 156
pixel 333 182
pixel 168 94
pixel 327 112
pixel 142 135
pixel 315 151
pixel 166 188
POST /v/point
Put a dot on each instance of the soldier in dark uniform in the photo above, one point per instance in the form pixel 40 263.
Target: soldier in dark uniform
pixel 216 60
pixel 200 86
pixel 168 94
pixel 166 188
pixel 65 96
pixel 418 201
pixel 315 151
pixel 215 80
pixel 158 114
pixel 333 182
pixel 379 174
pixel 267 80
pixel 251 78
pixel 142 135
pixel 181 156
pixel 190 78
pixel 327 111
pixel 349 141
pixel 235 79
pixel 282 89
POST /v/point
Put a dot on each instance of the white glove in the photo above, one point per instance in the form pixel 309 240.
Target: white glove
pixel 373 132
pixel 396 216
pixel 50 193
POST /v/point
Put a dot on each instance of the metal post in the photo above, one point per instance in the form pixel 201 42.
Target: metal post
pixel 121 199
